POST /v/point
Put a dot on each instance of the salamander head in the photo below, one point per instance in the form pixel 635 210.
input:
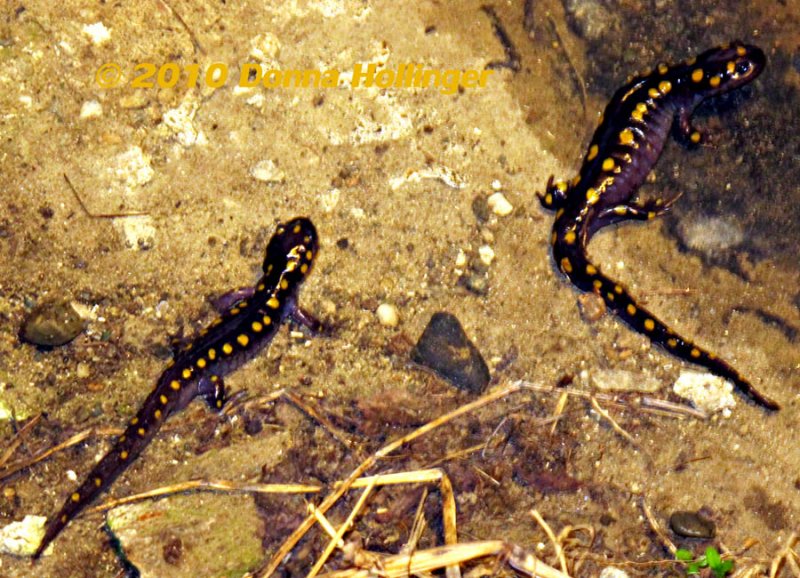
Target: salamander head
pixel 722 69
pixel 292 248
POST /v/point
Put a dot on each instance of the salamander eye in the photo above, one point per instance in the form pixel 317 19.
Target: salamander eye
pixel 743 67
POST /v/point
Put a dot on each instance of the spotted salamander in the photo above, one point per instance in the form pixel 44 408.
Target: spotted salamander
pixel 232 339
pixel 623 150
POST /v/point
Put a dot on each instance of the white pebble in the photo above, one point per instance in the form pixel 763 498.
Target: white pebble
pixel 496 185
pixel 461 259
pixel 97 33
pixel 706 391
pixel 500 205
pixel 487 254
pixel 91 109
pixel 611 572
pixel 388 315
pixel 268 172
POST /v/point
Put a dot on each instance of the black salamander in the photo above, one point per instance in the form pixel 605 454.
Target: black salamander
pixel 242 330
pixel 623 150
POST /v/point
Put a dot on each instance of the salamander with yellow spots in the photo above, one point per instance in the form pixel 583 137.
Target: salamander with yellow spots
pixel 623 150
pixel 243 329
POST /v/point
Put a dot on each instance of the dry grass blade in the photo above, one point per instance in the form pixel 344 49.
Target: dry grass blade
pixel 656 527
pixel 208 486
pixel 312 412
pixel 18 438
pixel 337 540
pixel 562 560
pixel 786 556
pixel 12 469
pixel 617 428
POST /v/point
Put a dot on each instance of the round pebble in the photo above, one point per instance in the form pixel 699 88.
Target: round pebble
pixel 387 315
pixel 487 254
pixel 500 205
pixel 692 525
pixel 52 324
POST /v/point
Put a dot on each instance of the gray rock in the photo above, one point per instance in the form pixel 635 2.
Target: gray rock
pixel 446 349
pixel 692 525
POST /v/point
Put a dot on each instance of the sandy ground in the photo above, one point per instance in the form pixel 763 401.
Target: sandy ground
pixel 390 178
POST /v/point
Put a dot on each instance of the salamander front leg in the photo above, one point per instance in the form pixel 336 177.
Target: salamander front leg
pixel 212 389
pixel 555 194
pixel 686 131
pixel 645 211
pixel 228 300
pixel 305 319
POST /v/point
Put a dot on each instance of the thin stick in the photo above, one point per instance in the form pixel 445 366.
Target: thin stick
pixel 208 486
pixel 312 412
pixel 11 469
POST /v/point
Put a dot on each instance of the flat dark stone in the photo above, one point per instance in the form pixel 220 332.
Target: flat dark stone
pixel 692 525
pixel 446 349
pixel 52 324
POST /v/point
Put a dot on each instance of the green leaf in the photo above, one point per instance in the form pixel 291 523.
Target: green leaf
pixel 723 569
pixel 684 555
pixel 693 568
pixel 713 557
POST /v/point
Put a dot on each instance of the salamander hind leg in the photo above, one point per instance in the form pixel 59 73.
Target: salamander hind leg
pixel 212 390
pixel 686 131
pixel 555 194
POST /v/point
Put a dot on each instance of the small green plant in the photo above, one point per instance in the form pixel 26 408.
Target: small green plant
pixel 712 560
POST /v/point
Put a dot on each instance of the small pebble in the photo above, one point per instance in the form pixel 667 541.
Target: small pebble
pixel 500 205
pixel 52 324
pixel 82 370
pixel 446 349
pixel 611 572
pixel 706 391
pixel 692 525
pixel 476 282
pixel 388 315
pixel 268 172
pixel 486 254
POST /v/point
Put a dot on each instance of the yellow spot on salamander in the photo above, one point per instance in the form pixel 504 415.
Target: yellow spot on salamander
pixel 697 75
pixel 593 150
pixel 663 68
pixel 569 237
pixel 664 86
pixel 134 421
pixel 304 268
pixel 256 326
pixel 695 352
pixel 187 373
pixel 309 255
pixel 548 199
pixel 163 399
pixel 559 213
pixel 201 363
pixel 597 284
pixel 576 180
pixel 284 284
pixel 620 209
pixel 637 115
pixel 227 349
pixel 98 482
pixel 610 296
pixel 267 320
pixel 76 497
pixel 651 215
pixel 212 354
pixel 618 289
pixel 140 431
pixel 296 229
pixel 561 186
pixel 243 340
pixel 123 454
pixel 591 269
pixel 216 322
pixel 273 303
pixel 695 137
pixel 714 81
pixel 741 51
pixel 653 93
pixel 157 414
pixel 691 61
pixel 631 309
pixel 626 137
pixel 566 266
pixel 121 439
pixel 672 343
pixel 649 324
pixel 592 196
pixel 176 385
pixel 235 311
pixel 64 518
pixel 730 67
pixel 609 164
